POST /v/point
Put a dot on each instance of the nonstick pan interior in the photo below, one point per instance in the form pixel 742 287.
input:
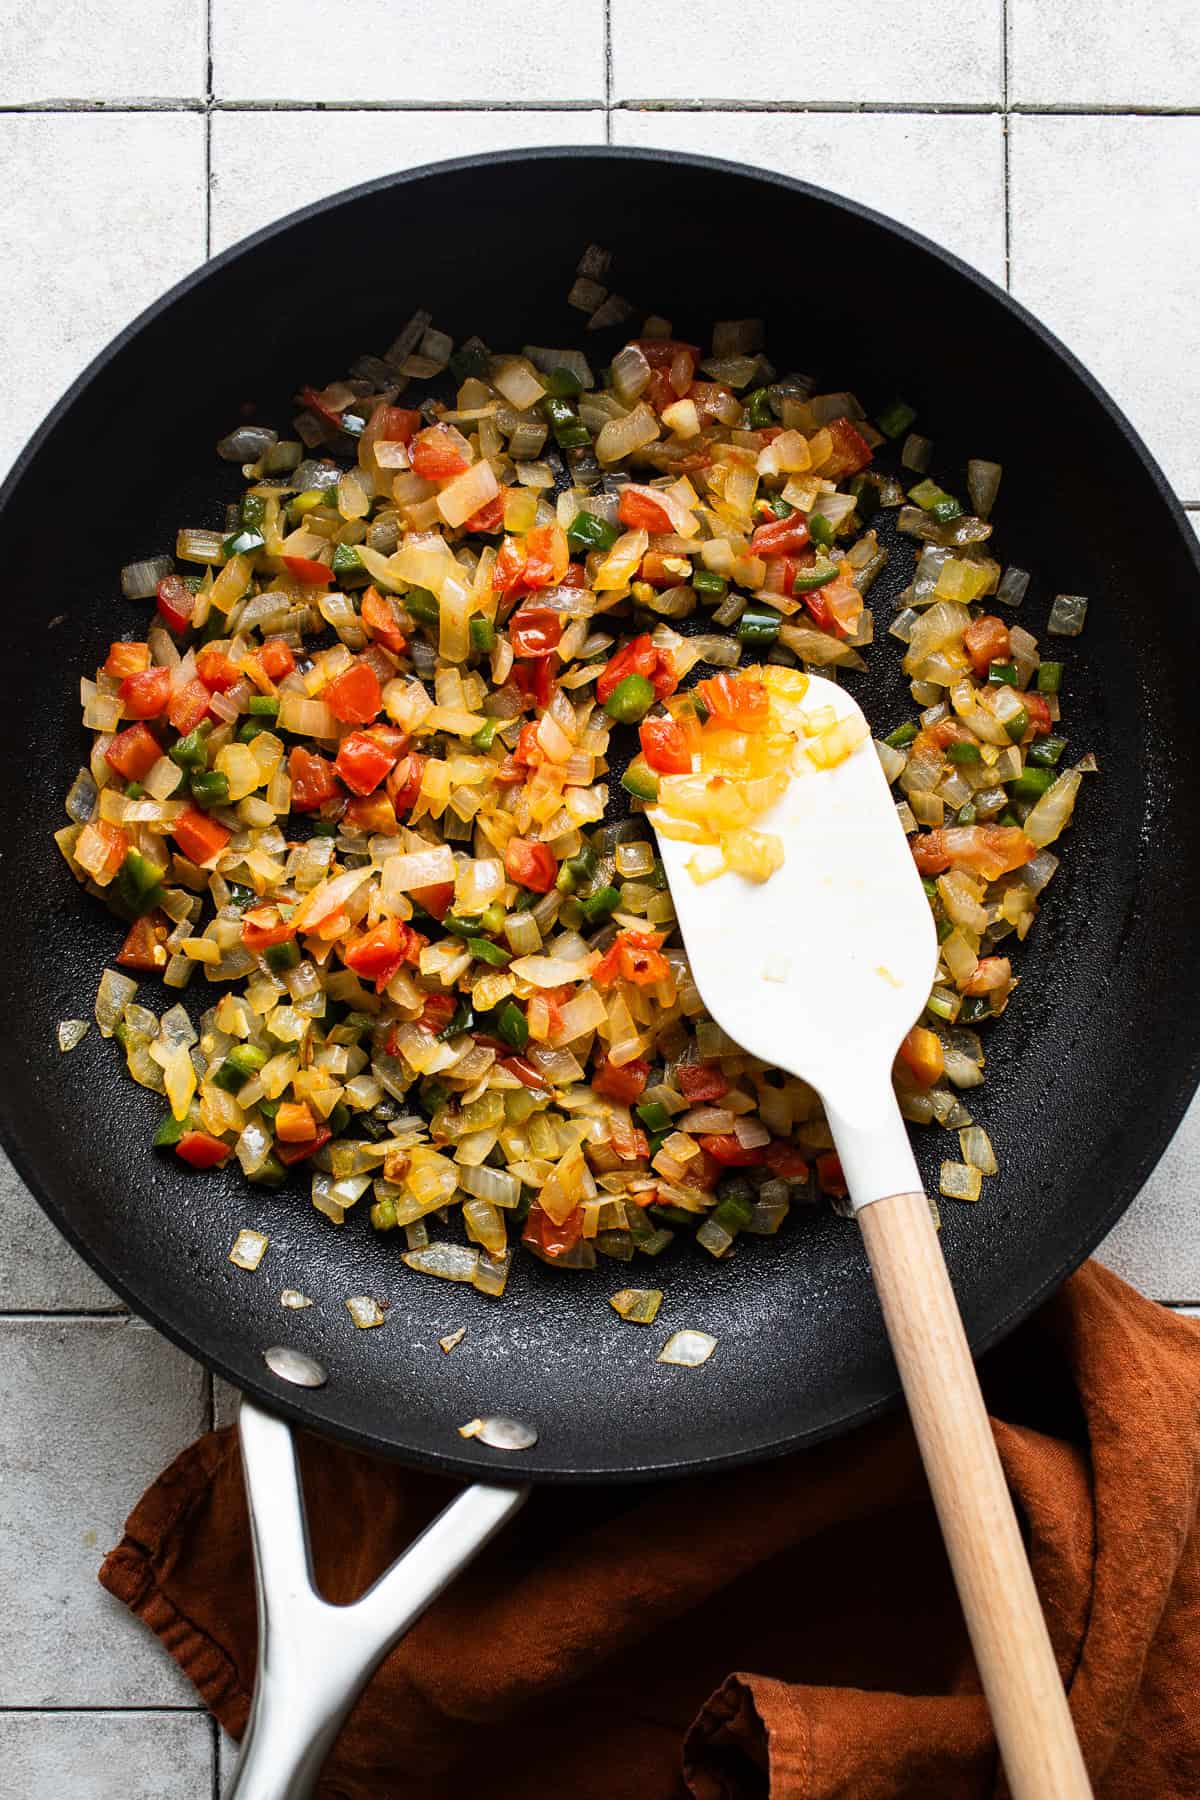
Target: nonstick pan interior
pixel 1091 1067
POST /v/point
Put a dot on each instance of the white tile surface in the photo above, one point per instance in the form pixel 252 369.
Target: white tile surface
pixel 39 1272
pixel 942 174
pixel 267 164
pixel 108 211
pixel 393 50
pixel 84 50
pixel 1106 248
pixel 1156 1246
pixel 90 1411
pixel 106 1756
pixel 804 51
pixel 1075 52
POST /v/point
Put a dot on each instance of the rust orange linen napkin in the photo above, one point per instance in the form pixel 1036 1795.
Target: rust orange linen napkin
pixel 790 1630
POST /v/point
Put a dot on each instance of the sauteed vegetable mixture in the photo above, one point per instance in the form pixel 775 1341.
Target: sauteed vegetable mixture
pixel 355 755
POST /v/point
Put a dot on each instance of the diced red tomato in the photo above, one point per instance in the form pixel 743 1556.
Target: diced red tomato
pixel 133 753
pixel 700 1081
pixel 372 812
pixel 127 659
pixel 488 519
pixel 635 956
pixel 294 1123
pixel 830 1178
pixel 660 353
pixel 639 512
pixel 528 753
pixel 530 865
pixel 725 1149
pixel 201 1151
pixel 780 537
pixel 540 1232
pixel 987 850
pixel 535 631
pixel 641 657
pixel 145 946
pixel 355 696
pixel 216 671
pixel 308 570
pixel 404 783
pixel 851 451
pixel 438 1011
pixel 143 696
pixel 175 602
pixel 735 700
pixel 313 780
pixel 276 658
pixel 535 677
pixel 509 567
pixel 625 1082
pixel 394 424
pixel 547 557
pixel 362 763
pixel 294 1153
pixel 376 955
pixel 659 391
pixel 263 926
pixel 986 641
pixel 1038 708
pixel 575 576
pixel 921 1053
pixel 199 837
pixel 435 900
pixel 187 708
pixel 665 746
pixel 436 456
pixel 380 621
pixel 785 1159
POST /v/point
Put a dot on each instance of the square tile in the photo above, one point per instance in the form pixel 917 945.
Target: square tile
pixel 265 164
pixel 374 50
pixel 1077 53
pixel 90 1411
pixel 1106 249
pixel 1156 1246
pixel 107 1756
pixel 39 1271
pixel 108 211
pixel 930 50
pixel 941 173
pixel 84 50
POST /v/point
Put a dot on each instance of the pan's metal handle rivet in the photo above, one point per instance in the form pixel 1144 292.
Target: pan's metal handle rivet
pixel 507 1434
pixel 292 1365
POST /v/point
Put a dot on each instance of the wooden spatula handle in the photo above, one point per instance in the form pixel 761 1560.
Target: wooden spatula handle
pixel 1008 1633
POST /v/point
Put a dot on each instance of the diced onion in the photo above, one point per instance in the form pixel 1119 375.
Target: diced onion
pixel 687 1349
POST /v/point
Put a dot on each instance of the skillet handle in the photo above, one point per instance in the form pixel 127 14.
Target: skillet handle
pixel 1029 1710
pixel 314 1659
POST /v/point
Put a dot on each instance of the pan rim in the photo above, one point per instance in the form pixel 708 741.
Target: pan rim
pixel 1177 1086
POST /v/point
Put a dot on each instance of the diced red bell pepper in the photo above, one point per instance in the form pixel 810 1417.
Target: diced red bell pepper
pixel 851 451
pixel 263 927
pixel 638 512
pixel 986 641
pixel 145 946
pixel 530 865
pixel 700 1081
pixel 520 1066
pixel 435 900
pixel 535 631
pixel 1038 708
pixel 817 607
pixel 534 676
pixel 404 782
pixel 380 621
pixel 625 1081
pixel 724 1148
pixel 665 746
pixel 175 602
pixel 187 708
pixel 640 657
pixel 127 659
pixel 509 567
pixel 276 658
pixel 294 1153
pixel 355 697
pixel 635 956
pixel 783 1158
pixel 372 812
pixel 201 1151
pixel 313 780
pixel 660 353
pixel 540 1233
pixel 133 752
pixel 438 1011
pixel 738 701
pixel 143 696
pixel 830 1178
pixel 216 671
pixel 376 955
pixel 393 424
pixel 436 456
pixel 780 537
pixel 362 763
pixel 488 519
pixel 528 753
pixel 308 570
pixel 332 415
pixel 199 837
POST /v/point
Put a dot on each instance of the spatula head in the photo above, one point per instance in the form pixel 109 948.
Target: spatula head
pixel 823 968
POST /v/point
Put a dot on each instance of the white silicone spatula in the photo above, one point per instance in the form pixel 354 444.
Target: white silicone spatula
pixel 821 971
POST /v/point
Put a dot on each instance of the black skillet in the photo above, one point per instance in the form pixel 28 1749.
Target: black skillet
pixel 1089 1070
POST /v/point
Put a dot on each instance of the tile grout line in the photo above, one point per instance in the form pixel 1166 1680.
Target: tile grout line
pixel 919 109
pixel 208 113
pixel 608 73
pixel 1006 127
